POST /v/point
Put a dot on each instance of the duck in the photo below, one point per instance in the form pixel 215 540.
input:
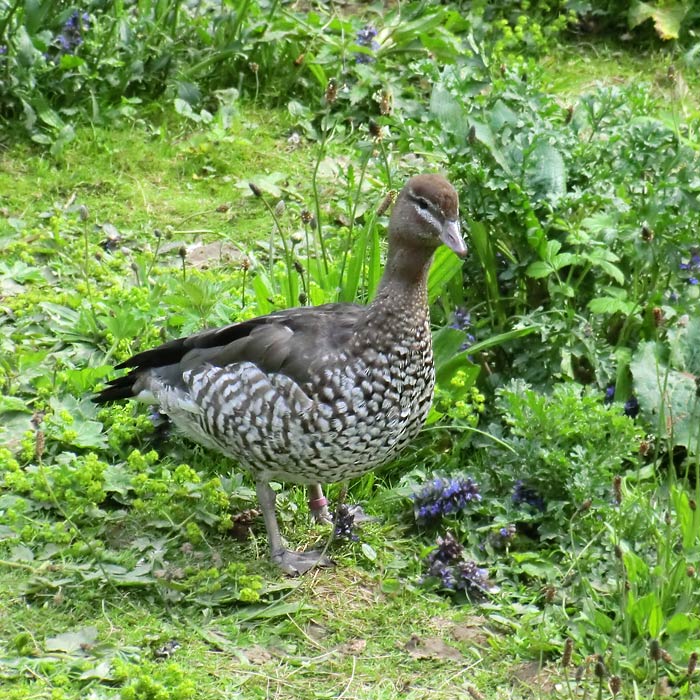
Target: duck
pixel 312 395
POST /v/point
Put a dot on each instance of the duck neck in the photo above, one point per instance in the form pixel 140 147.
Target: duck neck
pixel 403 290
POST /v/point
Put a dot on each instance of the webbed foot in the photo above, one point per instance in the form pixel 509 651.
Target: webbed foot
pixel 298 563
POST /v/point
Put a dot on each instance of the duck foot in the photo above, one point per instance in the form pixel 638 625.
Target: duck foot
pixel 298 563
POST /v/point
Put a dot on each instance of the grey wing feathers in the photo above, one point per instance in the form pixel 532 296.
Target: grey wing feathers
pixel 285 341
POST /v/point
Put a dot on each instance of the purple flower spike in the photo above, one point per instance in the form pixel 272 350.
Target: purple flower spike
pixel 443 497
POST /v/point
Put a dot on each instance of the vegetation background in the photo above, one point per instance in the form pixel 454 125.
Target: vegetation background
pixel 167 165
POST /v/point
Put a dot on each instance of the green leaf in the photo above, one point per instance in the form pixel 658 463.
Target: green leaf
pixel 667 19
pixel 641 612
pixel 483 247
pixel 682 623
pixel 461 361
pixel 26 53
pixel 611 305
pixel 546 173
pixel 71 642
pixel 369 552
pixel 446 343
pixel 668 397
pixel 685 346
pixel 13 404
pixel 539 269
pixel 447 109
pixel 636 567
pixel 500 338
pixel 445 266
pixel 564 260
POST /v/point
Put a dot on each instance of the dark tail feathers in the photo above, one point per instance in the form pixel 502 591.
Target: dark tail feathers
pixel 117 389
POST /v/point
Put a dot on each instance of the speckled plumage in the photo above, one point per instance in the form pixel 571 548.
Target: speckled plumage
pixel 317 394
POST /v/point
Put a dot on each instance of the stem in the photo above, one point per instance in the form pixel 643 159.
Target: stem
pixel 317 203
pixel 348 244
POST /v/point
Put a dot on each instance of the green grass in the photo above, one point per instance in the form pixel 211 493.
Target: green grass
pixel 576 67
pixel 143 178
pixel 365 629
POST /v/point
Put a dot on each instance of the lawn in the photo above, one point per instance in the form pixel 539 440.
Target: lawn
pixel 142 199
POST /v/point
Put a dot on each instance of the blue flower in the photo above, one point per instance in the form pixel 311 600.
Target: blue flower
pixel 344 528
pixel 71 36
pixel 525 494
pixel 447 565
pixel 632 407
pixel 692 280
pixel 443 497
pixel 366 37
pixel 610 394
pixel 507 532
pixel 462 321
pixel 3 49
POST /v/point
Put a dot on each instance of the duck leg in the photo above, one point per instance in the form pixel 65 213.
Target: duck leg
pixel 319 505
pixel 292 563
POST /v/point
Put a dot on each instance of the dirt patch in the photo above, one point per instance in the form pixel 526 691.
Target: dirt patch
pixel 432 648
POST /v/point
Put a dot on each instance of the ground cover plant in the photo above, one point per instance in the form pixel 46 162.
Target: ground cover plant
pixel 170 166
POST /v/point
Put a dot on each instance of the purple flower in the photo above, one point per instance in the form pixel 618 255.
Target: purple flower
pixel 366 37
pixel 345 523
pixel 525 494
pixel 443 497
pixel 462 321
pixel 71 36
pixel 3 49
pixel 609 394
pixel 507 532
pixel 632 407
pixel 684 266
pixel 692 280
pixel 447 565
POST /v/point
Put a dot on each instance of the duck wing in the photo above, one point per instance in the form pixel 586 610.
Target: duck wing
pixel 287 342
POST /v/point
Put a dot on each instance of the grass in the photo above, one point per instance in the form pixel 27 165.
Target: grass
pixel 143 177
pixel 365 629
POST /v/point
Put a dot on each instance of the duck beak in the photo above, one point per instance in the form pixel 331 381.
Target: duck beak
pixel 451 236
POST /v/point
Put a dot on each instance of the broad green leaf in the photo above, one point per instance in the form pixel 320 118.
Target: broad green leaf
pixel 611 305
pixel 484 135
pixel 13 404
pixel 539 269
pixel 611 270
pixel 669 397
pixel 564 260
pixel 685 346
pixel 445 266
pixel 682 623
pixel 459 362
pixel 447 109
pixel 688 518
pixel 446 343
pixel 667 19
pixel 71 642
pixel 26 52
pixel 642 610
pixel 637 569
pixel 46 114
pixel 369 552
pixel 546 172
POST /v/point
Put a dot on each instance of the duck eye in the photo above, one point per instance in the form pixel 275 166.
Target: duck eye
pixel 423 204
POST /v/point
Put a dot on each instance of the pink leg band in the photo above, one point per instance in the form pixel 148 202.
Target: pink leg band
pixel 318 503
